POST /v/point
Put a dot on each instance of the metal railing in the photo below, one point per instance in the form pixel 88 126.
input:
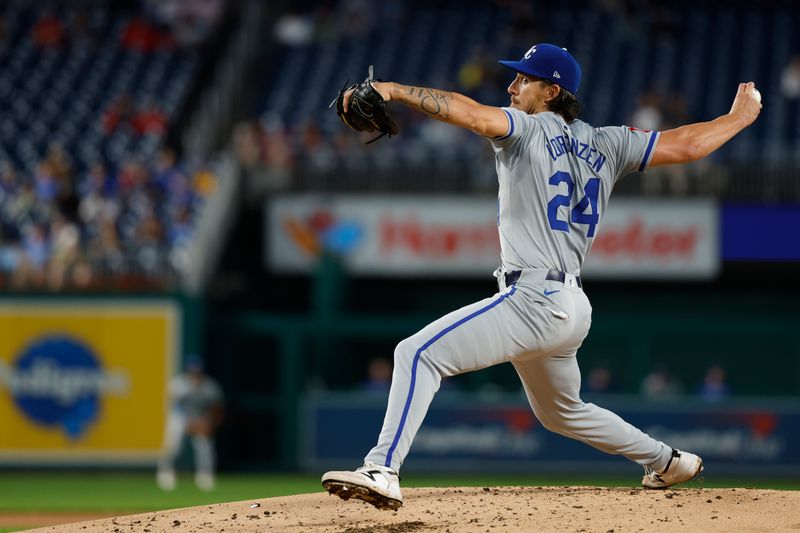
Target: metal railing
pixel 771 183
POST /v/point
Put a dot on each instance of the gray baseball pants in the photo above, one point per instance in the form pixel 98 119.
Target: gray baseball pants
pixel 203 446
pixel 537 325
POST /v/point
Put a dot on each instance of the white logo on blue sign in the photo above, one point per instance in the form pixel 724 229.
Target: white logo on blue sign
pixel 58 381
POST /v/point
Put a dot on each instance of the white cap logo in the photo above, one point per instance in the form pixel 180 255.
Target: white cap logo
pixel 530 52
pixel 556 75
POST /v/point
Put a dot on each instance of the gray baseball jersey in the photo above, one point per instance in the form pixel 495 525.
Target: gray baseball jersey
pixel 554 184
pixel 195 399
pixel 555 180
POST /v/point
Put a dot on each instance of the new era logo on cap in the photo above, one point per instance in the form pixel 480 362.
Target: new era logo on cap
pixel 556 75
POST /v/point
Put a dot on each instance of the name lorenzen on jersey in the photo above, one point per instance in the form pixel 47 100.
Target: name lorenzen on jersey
pixel 564 144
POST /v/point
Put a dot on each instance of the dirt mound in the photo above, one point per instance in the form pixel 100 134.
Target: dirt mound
pixel 471 509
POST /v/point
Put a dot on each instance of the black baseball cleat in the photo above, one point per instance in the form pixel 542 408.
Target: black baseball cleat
pixel 682 466
pixel 375 484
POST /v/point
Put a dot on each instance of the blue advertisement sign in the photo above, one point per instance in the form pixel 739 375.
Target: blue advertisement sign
pixel 760 232
pixel 466 433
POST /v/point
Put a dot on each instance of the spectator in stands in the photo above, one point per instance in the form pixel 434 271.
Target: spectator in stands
pixel 599 380
pixel 790 79
pixel 131 177
pixel 149 120
pixel 648 115
pixel 294 28
pixel 81 276
pixel 655 113
pixel 98 198
pixel 660 384
pixel 60 162
pixel 34 258
pixel 439 136
pixel 8 181
pixel 148 243
pixel 195 20
pixel 141 35
pixel 204 182
pixel 473 71
pixel 64 251
pixel 3 32
pixel 9 234
pixel 714 387
pixel 180 193
pixel 46 183
pixel 10 254
pixel 165 169
pixel 119 113
pixel 246 145
pixel 319 154
pixel 275 147
pixel 379 375
pixel 250 146
pixel 49 31
pixel 98 180
pixel 23 205
pixel 180 229
pixel 104 251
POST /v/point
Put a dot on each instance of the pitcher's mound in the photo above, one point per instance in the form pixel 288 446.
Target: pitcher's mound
pixel 475 509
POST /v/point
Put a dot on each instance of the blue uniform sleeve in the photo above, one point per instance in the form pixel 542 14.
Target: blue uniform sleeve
pixel 628 149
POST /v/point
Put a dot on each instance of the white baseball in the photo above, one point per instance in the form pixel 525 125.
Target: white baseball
pixel 756 95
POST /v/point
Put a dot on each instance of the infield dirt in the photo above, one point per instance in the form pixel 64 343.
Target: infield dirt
pixel 471 509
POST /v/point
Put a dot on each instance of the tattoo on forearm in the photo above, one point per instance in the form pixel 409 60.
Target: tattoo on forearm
pixel 433 102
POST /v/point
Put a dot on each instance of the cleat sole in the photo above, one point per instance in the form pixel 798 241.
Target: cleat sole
pixel 346 490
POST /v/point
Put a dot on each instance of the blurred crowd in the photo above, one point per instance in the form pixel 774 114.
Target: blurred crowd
pixel 46 211
pixel 103 228
pixel 659 110
pixel 305 156
pixel 660 383
pixel 316 151
pixel 90 199
pixel 159 24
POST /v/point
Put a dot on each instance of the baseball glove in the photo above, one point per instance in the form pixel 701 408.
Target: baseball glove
pixel 366 110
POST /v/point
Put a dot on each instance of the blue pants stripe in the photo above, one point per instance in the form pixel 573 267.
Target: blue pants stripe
pixel 416 361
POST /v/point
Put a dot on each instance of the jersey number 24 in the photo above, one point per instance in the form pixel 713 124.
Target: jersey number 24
pixel 578 213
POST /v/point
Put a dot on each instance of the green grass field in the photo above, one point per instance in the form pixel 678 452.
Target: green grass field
pixel 128 492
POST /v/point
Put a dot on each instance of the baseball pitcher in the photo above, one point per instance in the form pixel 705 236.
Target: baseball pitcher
pixel 555 175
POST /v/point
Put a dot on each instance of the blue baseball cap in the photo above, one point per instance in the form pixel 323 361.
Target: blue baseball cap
pixel 550 62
